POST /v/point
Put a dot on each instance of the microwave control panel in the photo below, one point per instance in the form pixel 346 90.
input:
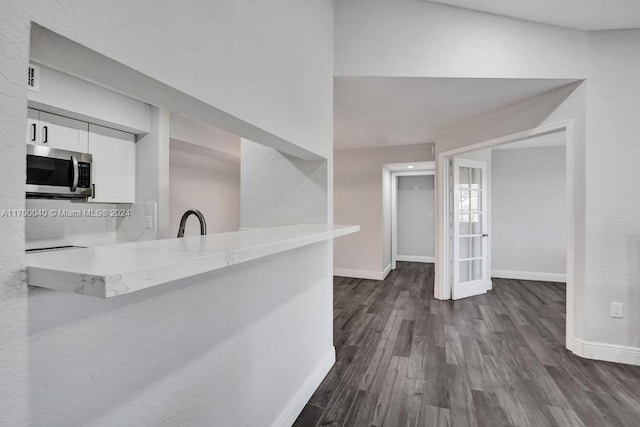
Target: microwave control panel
pixel 84 175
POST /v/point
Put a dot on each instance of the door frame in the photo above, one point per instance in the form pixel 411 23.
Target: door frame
pixel 442 286
pixel 394 205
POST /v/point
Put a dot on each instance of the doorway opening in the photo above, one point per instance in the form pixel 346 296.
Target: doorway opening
pixel 548 253
pixel 412 199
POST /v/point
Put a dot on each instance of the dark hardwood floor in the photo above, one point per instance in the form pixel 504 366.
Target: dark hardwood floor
pixel 406 359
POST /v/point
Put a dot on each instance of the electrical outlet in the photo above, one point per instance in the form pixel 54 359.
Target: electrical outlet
pixel 149 222
pixel 616 309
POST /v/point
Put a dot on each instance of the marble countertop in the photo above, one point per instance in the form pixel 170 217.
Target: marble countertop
pixel 111 270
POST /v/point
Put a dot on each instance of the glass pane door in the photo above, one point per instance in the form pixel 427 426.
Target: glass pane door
pixel 469 195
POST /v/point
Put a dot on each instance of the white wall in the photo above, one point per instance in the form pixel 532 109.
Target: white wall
pixel 359 198
pixel 417 38
pixel 416 215
pixel 613 153
pixel 529 210
pixel 152 167
pixel 268 64
pixel 203 179
pixel 279 189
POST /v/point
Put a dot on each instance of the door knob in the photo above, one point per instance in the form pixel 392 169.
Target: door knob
pixel 485 235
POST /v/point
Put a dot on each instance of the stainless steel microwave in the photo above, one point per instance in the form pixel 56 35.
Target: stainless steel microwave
pixel 58 174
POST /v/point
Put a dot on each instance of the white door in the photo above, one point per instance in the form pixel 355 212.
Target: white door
pixel 114 165
pixel 63 133
pixel 470 243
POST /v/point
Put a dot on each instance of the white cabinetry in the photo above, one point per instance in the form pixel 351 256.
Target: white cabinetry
pixel 33 126
pixel 114 165
pixel 113 168
pixel 56 131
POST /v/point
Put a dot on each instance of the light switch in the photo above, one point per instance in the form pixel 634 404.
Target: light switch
pixel 616 309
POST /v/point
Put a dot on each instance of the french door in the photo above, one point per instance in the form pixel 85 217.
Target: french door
pixel 470 244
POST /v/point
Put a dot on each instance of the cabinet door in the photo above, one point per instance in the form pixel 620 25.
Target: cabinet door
pixel 63 133
pixel 114 165
pixel 33 132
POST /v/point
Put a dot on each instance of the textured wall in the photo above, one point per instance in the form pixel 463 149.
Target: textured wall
pixel 14 42
pixel 613 154
pixel 278 189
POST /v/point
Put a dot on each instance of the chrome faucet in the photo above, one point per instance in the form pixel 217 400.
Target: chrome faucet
pixel 183 222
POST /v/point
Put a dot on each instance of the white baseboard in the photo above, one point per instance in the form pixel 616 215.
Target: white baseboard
pixel 529 275
pixel 289 415
pixel 607 352
pixel 362 274
pixel 386 271
pixel 416 258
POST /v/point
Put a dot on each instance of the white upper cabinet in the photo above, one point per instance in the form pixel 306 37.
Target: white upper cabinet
pixel 33 126
pixel 55 131
pixel 64 133
pixel 114 165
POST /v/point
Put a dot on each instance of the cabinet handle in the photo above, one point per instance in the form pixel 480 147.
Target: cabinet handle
pixel 45 134
pixel 33 133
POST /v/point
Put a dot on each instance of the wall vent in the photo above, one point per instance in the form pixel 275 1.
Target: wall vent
pixel 33 78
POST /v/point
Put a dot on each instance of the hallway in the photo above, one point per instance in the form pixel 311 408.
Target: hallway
pixel 404 358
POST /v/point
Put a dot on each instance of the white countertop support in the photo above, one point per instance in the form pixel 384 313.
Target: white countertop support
pixel 111 270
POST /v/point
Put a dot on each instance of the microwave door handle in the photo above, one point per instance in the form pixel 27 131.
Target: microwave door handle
pixel 74 184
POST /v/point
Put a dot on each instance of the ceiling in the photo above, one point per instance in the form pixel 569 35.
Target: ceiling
pixel 577 14
pixel 388 111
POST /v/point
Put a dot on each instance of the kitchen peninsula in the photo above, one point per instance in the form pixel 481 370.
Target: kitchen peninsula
pixel 112 270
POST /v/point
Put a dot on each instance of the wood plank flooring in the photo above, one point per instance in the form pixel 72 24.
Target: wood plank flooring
pixel 407 359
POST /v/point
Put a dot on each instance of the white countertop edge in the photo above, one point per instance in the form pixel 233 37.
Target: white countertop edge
pixel 114 284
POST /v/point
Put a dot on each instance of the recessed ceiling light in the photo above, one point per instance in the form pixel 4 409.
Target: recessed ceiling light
pixel 410 167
